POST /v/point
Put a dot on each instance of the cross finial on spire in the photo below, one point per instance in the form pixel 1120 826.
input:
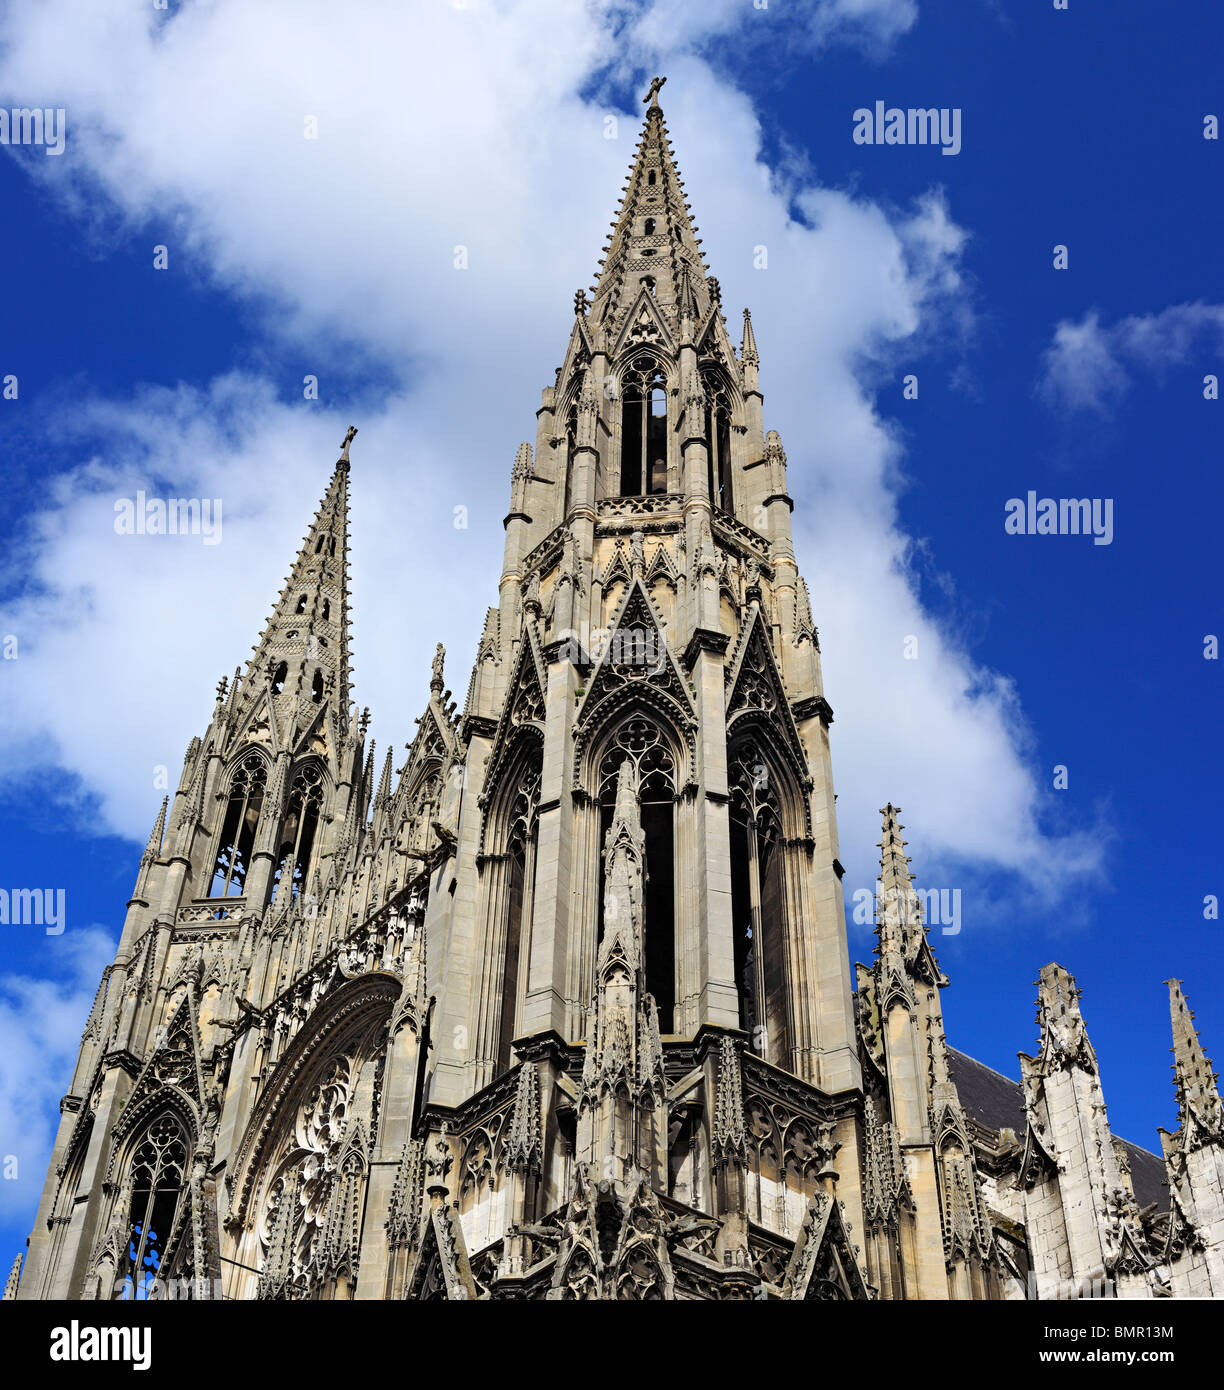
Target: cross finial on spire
pixel 350 435
pixel 651 98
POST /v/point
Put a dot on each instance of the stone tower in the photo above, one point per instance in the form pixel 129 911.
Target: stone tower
pixel 562 1008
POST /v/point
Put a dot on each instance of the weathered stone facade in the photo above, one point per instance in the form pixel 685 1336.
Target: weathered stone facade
pixel 563 1007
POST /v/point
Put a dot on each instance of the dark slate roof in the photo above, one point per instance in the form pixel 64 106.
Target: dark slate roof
pixel 996 1101
pixel 990 1097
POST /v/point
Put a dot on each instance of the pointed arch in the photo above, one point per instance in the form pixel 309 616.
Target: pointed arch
pixel 768 820
pixel 148 1178
pixel 247 787
pixel 507 864
pixel 304 806
pixel 719 415
pixel 644 435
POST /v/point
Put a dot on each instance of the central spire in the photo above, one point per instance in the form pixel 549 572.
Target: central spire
pixel 302 654
pixel 654 247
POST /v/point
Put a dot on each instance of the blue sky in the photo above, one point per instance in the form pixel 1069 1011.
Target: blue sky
pixel 453 126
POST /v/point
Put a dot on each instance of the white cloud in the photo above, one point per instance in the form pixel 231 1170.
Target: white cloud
pixel 870 24
pixel 1085 367
pixel 441 127
pixel 41 1020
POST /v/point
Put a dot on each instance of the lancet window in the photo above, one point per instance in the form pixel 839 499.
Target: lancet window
pixel 758 903
pixel 156 1183
pixel 643 428
pixel 718 441
pixel 301 825
pixel 246 794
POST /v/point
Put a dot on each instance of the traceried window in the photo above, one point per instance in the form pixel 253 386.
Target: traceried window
pixel 718 441
pixel 643 429
pixel 301 825
pixel 159 1165
pixel 316 688
pixel 279 676
pixel 640 740
pixel 246 794
pixel 301 604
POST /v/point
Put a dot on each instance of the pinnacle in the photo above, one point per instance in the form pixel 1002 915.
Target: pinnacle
pixel 1194 1078
pixel 894 862
pixel 748 349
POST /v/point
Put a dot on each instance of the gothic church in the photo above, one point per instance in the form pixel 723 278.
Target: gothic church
pixel 563 1008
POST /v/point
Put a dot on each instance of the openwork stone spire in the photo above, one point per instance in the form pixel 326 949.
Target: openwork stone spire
pixel 654 245
pixel 303 651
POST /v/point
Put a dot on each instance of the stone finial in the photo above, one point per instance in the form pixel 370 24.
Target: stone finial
pixel 774 451
pixel 730 1136
pixel 350 435
pixel 651 98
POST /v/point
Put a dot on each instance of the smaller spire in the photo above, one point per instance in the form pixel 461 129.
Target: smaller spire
pixel 416 974
pixel 367 782
pixel 1198 1094
pixel 748 348
pixel 153 848
pixel 626 808
pixel 10 1287
pixel 383 795
pixel 898 912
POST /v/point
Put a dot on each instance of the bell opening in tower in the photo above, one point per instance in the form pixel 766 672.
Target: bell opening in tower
pixel 643 466
pixel 758 909
pixel 508 1021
